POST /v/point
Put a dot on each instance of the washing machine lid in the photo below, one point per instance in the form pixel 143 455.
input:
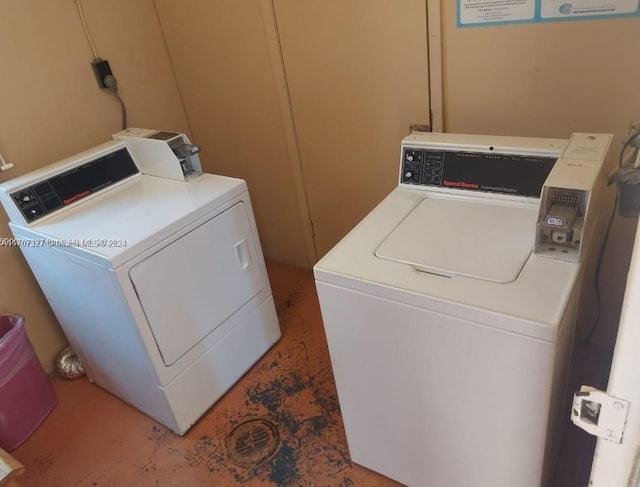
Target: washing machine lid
pixel 532 305
pixel 472 238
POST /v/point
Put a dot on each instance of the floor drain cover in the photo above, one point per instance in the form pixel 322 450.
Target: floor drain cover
pixel 252 442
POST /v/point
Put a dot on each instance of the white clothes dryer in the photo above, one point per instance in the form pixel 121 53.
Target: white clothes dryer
pixel 449 337
pixel 160 285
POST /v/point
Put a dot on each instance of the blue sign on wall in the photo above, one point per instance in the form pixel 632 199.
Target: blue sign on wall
pixel 473 13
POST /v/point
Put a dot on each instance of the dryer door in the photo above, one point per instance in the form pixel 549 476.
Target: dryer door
pixel 191 286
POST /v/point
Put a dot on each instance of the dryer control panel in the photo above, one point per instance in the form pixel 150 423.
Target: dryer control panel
pixel 57 191
pixel 488 171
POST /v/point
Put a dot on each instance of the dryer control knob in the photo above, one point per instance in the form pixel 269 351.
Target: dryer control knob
pixel 408 174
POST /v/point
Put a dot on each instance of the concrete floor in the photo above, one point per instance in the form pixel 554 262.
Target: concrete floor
pixel 93 439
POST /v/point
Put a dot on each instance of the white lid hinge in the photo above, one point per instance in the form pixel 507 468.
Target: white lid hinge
pixel 4 166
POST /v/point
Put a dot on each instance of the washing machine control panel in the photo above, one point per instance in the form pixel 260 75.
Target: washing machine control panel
pixel 513 174
pixel 422 166
pixel 56 192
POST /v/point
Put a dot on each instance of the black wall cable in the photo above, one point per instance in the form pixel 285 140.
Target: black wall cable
pixel 112 85
pixel 627 144
pixel 587 340
pixel 594 326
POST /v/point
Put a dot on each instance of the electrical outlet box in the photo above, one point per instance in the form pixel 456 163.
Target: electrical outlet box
pixel 101 70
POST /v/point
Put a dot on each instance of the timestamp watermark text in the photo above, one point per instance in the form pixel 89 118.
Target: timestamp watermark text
pixel 67 242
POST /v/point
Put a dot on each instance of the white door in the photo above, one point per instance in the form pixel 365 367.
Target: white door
pixel 190 287
pixel 618 464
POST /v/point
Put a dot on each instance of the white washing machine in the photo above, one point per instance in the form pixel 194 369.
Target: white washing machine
pixel 159 284
pixel 449 336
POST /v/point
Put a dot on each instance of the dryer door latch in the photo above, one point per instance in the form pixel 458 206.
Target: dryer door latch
pixel 600 414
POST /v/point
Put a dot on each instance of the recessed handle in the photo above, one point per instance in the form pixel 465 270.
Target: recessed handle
pixel 242 252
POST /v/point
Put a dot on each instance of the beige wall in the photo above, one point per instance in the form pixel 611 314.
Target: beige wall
pixel 319 143
pixel 549 80
pixel 224 67
pixel 357 73
pixel 51 107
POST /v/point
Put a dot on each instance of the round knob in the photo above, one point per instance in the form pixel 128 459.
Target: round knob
pixel 408 174
pixel 409 157
pixel 26 198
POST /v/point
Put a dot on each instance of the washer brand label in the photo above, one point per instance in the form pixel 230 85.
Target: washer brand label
pixel 552 220
pixel 76 197
pixel 460 184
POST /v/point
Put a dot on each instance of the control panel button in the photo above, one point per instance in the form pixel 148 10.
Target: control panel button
pixel 24 198
pixel 34 212
pixel 413 155
pixel 421 166
pixel 28 203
